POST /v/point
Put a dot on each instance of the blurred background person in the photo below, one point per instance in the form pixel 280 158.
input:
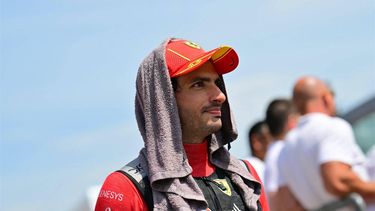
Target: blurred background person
pixel 281 117
pixel 321 162
pixel 259 138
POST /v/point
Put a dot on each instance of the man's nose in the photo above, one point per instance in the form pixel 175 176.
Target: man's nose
pixel 218 96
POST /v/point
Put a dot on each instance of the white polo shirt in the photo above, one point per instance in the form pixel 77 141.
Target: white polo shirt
pixel 317 139
pixel 258 164
pixel 271 171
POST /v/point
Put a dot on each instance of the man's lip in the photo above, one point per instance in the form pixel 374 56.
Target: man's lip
pixel 214 110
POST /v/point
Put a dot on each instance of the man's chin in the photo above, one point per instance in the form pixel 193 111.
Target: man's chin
pixel 215 126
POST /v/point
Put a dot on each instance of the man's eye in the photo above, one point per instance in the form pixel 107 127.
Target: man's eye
pixel 218 83
pixel 198 84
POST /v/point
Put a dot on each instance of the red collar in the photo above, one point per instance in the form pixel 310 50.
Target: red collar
pixel 197 155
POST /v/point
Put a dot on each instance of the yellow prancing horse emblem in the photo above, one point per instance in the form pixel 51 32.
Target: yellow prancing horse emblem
pixel 224 182
pixel 193 45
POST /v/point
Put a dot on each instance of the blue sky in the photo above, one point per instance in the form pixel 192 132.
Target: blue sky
pixel 68 69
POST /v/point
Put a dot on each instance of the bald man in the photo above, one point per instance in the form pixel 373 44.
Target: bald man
pixel 321 162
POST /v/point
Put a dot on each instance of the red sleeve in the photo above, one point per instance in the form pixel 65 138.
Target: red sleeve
pixel 263 198
pixel 119 193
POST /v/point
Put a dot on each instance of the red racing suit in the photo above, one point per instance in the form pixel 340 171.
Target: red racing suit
pixel 119 193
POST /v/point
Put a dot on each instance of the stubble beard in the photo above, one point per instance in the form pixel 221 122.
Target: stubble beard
pixel 200 129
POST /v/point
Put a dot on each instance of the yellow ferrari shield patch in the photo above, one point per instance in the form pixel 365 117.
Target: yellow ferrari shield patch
pixel 226 189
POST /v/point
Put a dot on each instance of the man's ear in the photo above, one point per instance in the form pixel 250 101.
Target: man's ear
pixel 326 101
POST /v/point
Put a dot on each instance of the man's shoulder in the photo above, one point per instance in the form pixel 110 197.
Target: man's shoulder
pixel 125 189
pixel 118 192
pixel 319 117
pixel 337 125
pixel 342 123
pixel 323 122
pixel 135 170
pixel 132 173
pixel 137 173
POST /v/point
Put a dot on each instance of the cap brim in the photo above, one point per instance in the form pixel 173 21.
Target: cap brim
pixel 224 58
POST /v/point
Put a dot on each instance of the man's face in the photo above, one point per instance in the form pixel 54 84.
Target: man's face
pixel 261 142
pixel 199 101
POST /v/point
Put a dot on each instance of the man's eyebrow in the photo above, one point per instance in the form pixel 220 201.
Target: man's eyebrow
pixel 205 79
pixel 201 78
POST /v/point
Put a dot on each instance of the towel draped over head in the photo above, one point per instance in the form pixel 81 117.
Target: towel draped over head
pixel 163 156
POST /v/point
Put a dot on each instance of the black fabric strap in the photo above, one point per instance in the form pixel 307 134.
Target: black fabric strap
pixel 136 174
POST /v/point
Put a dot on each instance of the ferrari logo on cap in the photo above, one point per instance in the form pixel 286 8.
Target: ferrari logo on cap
pixel 193 45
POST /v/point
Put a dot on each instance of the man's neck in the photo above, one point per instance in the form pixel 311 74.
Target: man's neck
pixel 192 139
pixel 199 159
pixel 316 108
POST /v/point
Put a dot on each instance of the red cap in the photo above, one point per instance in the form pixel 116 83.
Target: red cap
pixel 184 56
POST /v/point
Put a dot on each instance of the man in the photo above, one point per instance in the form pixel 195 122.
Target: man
pixel 184 118
pixel 259 138
pixel 281 117
pixel 321 162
